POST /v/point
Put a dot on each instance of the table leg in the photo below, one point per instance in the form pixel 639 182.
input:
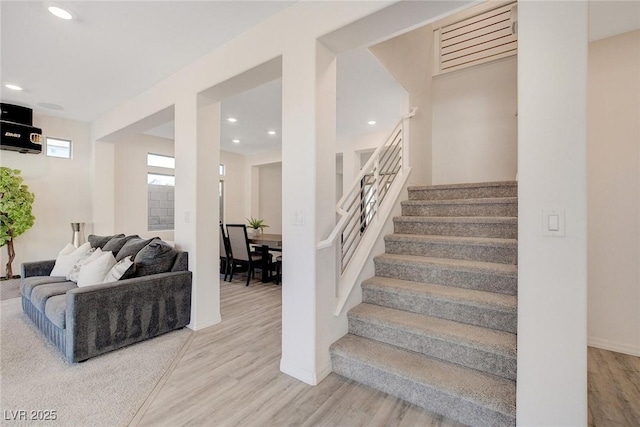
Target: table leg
pixel 265 264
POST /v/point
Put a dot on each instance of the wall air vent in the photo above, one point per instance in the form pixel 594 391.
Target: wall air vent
pixel 483 37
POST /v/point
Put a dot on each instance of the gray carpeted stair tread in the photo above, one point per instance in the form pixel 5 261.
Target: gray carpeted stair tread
pixel 464 185
pixel 459 219
pixel 486 249
pixel 446 388
pixel 470 297
pixel 458 264
pixel 489 340
pixel 453 240
pixel 478 201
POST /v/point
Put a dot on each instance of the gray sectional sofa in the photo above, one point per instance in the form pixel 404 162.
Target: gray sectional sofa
pixel 88 321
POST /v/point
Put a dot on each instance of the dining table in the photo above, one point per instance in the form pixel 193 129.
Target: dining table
pixel 265 243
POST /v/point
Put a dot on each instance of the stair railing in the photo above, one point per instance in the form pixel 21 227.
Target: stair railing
pixel 358 207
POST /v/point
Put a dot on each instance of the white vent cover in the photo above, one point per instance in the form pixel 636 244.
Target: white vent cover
pixel 485 37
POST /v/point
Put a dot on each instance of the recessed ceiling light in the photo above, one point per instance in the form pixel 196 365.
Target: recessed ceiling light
pixel 60 12
pixel 272 132
pixel 371 122
pixel 50 106
pixel 12 86
pixel 232 119
pixel 235 141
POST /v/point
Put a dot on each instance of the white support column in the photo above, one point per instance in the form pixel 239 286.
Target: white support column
pixel 552 271
pixel 197 151
pixel 103 178
pixel 308 188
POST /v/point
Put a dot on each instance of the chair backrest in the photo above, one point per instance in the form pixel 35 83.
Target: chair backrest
pixel 238 241
pixel 224 246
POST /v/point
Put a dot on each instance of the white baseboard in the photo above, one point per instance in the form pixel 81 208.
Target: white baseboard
pixel 304 375
pixel 198 326
pixel 613 346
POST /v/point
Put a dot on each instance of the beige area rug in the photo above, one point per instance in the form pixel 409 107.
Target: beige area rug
pixel 106 390
pixel 9 289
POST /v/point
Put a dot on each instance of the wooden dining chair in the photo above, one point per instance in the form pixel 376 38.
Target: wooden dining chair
pixel 240 252
pixel 225 253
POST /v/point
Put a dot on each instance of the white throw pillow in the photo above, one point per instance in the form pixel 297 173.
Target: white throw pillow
pixel 118 270
pixel 93 273
pixel 94 253
pixel 67 258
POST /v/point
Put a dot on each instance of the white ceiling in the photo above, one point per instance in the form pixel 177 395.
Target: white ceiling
pixel 365 91
pixel 115 50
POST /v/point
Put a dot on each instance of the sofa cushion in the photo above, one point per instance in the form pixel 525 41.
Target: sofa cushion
pixel 156 257
pixel 56 310
pixel 100 241
pixel 132 247
pixel 116 243
pixel 65 261
pixel 42 293
pixel 29 283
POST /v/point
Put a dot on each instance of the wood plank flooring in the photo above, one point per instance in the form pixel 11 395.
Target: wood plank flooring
pixel 614 388
pixel 228 375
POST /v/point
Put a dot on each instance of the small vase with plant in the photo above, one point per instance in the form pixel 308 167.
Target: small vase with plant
pixel 257 225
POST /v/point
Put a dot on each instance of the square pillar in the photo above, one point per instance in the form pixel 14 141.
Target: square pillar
pixel 552 168
pixel 197 152
pixel 308 207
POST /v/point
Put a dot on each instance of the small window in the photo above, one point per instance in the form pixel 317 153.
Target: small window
pixel 161 161
pixel 58 148
pixel 161 215
pixel 158 179
pixel 222 169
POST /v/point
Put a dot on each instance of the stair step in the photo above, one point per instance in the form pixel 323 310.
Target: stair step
pixel 483 276
pixel 504 251
pixel 496 227
pixel 475 347
pixel 464 191
pixel 499 206
pixel 470 396
pixel 486 309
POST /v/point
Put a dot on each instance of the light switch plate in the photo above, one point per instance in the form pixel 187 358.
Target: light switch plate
pixel 553 222
pixel 298 217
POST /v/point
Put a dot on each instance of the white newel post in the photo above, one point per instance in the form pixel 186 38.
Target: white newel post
pixel 197 151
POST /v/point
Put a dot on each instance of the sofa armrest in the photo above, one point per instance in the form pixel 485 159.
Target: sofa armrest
pixel 38 268
pixel 108 316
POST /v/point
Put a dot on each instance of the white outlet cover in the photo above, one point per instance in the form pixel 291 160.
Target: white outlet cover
pixel 553 218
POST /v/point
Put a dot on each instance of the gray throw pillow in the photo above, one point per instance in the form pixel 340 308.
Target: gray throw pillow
pixel 115 244
pixel 156 257
pixel 132 247
pixel 100 241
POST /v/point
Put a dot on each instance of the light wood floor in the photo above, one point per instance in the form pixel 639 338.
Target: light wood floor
pixel 229 375
pixel 614 388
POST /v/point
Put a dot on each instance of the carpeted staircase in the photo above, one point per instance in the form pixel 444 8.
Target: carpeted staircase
pixel 438 321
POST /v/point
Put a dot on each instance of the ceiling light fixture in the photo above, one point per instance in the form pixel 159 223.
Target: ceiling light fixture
pixel 272 132
pixel 60 12
pixel 371 122
pixel 12 86
pixel 232 119
pixel 235 141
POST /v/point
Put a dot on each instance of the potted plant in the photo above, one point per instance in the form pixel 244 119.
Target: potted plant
pixel 15 211
pixel 257 225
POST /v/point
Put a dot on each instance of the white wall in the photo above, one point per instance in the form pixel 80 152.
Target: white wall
pixel 614 193
pixel 552 170
pixel 270 197
pixel 234 185
pixel 409 58
pixel 62 189
pixel 130 183
pixel 475 130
